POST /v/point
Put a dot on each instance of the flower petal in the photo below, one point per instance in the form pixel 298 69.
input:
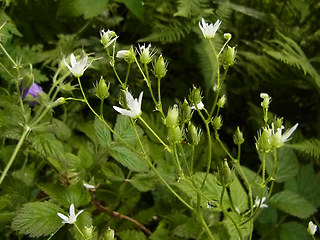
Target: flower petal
pixel 288 133
pixel 73 60
pixel 63 217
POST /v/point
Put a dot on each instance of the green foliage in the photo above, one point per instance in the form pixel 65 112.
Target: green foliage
pixel 37 219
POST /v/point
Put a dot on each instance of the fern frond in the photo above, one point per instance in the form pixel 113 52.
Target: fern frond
pixel 310 147
pixel 187 8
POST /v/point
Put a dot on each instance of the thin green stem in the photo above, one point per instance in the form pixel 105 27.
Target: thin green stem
pixel 203 222
pixel 209 155
pixel 127 75
pixel 222 145
pixel 80 231
pixel 8 55
pixel 14 154
pixel 174 154
pixel 184 159
pixel 101 108
pixel 192 159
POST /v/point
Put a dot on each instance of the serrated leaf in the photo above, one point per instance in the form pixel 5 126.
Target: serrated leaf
pixel 103 133
pixel 75 194
pixel 124 129
pixel 128 158
pixel 239 195
pixel 188 229
pixel 37 219
pixel 135 6
pixel 131 235
pixel 88 129
pixel 16 189
pixel 87 8
pixel 85 157
pixel 293 231
pixel 293 204
pixel 47 145
pixel 113 171
pixel 287 167
pixel 144 181
pixel 9 29
pixel 60 129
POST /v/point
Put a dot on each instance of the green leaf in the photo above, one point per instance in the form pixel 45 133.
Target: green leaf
pixel 255 181
pixel 103 133
pixel 188 229
pixel 88 129
pixel 144 181
pixel 9 29
pixel 87 8
pixel 131 235
pixel 287 167
pixel 293 204
pixel 16 189
pixel 128 158
pixel 113 171
pixel 75 194
pixel 85 158
pixel 60 129
pixel 37 219
pixel 124 129
pixel 6 217
pixel 47 145
pixel 306 184
pixel 135 6
pixel 239 195
pixel 293 231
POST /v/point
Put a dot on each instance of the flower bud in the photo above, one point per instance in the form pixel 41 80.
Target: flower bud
pixel 185 112
pixel 174 134
pixel 312 228
pixel 145 54
pixel 238 137
pixel 195 96
pixel 229 56
pixel 278 123
pixel 59 101
pixel 88 232
pixel 27 80
pixel 172 116
pixel 160 68
pixel 222 101
pixel 263 143
pixel 102 89
pixel 217 123
pixel 193 135
pixel 109 235
pixel 227 36
pixel 128 55
pixel 266 100
pixel 225 175
pixel 108 37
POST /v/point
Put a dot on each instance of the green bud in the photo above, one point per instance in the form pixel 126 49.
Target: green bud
pixel 278 123
pixel 195 95
pixel 145 54
pixel 266 100
pixel 88 232
pixel 160 68
pixel 59 101
pixel 227 36
pixel 276 139
pixel 107 37
pixel 27 80
pixel 225 175
pixel 102 89
pixel 128 55
pixel 263 143
pixel 193 135
pixel 185 112
pixel 174 134
pixel 109 235
pixel 222 101
pixel 217 123
pixel 238 137
pixel 172 116
pixel 229 56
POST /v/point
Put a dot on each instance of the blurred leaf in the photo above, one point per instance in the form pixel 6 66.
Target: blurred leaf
pixel 47 145
pixel 124 129
pixel 293 204
pixel 136 7
pixel 88 129
pixel 144 181
pixel 87 8
pixel 85 157
pixel 103 133
pixel 6 217
pixel 293 231
pixel 8 29
pixel 188 229
pixel 128 158
pixel 288 164
pixel 239 195
pixel 16 189
pixel 60 129
pixel 37 219
pixel 113 171
pixel 131 235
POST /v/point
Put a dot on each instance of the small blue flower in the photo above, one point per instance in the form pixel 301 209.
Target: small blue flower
pixel 33 91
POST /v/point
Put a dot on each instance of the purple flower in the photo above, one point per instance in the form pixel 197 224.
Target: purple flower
pixel 33 90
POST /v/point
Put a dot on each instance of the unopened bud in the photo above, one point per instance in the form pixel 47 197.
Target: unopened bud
pixel 278 123
pixel 145 54
pixel 193 135
pixel 263 143
pixel 27 80
pixel 160 68
pixel 266 100
pixel 229 56
pixel 217 123
pixel 109 235
pixel 227 36
pixel 174 134
pixel 238 137
pixel 226 175
pixel 222 101
pixel 59 101
pixel 102 89
pixel 185 112
pixel 108 37
pixel 195 96
pixel 172 116
pixel 127 55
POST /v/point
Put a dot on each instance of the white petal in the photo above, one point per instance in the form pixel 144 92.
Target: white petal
pixel 124 112
pixel 130 100
pixel 73 60
pixel 288 133
pixel 71 210
pixel 70 68
pixel 63 217
pixel 79 213
pixel 140 99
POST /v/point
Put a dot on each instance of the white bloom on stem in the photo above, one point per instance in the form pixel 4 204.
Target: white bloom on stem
pixel 312 228
pixel 72 218
pixel 145 53
pixel 134 106
pixel 123 53
pixel 257 202
pixel 89 186
pixel 107 37
pixel 209 30
pixel 77 68
pixel 200 106
pixel 277 138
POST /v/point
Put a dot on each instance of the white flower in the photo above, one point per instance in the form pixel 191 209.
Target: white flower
pixel 145 54
pixel 72 218
pixel 89 186
pixel 287 134
pixel 277 138
pixel 200 106
pixel 257 203
pixel 123 53
pixel 78 68
pixel 108 37
pixel 134 106
pixel 209 30
pixel 312 228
